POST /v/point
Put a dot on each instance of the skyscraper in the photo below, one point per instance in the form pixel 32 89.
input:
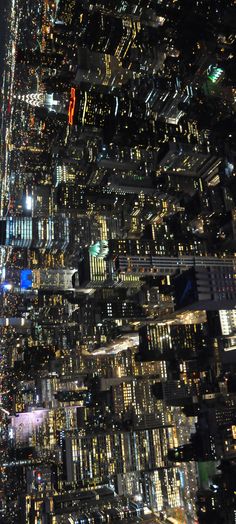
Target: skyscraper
pixel 27 232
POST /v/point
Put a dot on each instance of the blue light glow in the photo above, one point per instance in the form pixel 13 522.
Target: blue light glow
pixel 26 279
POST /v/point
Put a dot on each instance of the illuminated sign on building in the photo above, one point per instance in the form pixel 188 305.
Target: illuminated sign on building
pixel 71 110
pixel 26 279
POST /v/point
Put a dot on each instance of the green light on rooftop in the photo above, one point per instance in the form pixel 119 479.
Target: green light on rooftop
pixel 215 74
pixel 99 250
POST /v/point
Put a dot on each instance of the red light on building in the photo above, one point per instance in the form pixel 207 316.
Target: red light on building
pixel 71 109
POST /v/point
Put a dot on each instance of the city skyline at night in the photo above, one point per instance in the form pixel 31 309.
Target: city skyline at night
pixel 117 262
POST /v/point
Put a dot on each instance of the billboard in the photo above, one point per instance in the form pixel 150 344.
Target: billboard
pixel 26 279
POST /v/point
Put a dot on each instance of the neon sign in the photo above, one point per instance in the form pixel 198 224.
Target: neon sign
pixel 71 110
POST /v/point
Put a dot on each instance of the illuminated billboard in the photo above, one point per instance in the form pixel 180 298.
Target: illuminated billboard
pixel 26 279
pixel 71 110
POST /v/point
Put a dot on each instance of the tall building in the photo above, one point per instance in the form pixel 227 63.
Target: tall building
pixel 135 451
pixel 163 341
pixel 207 287
pixel 186 160
pixel 150 265
pixel 27 232
pixel 54 103
pixel 100 69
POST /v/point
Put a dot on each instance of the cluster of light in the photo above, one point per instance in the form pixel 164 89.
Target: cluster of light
pixel 28 202
pixel 7 287
pixel 215 75
pixel 71 110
